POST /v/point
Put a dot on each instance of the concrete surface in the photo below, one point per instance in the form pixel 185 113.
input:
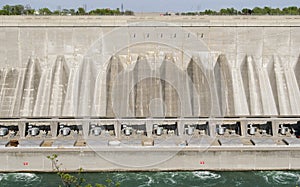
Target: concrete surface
pixel 63 143
pixel 233 71
pixel 151 159
pixel 263 142
pixel 232 65
pixel 292 141
pixel 236 142
pixel 30 143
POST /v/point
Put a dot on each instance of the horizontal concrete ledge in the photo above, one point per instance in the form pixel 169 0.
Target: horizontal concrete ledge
pixel 149 170
pixel 117 21
pixel 150 149
pixel 155 161
pixel 91 119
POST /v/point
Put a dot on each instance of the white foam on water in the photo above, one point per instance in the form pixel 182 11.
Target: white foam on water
pixel 173 175
pixel 1 176
pixel 149 182
pixel 171 180
pixel 282 177
pixel 120 177
pixel 204 175
pixel 264 174
pixel 26 177
pixel 239 182
pixel 279 177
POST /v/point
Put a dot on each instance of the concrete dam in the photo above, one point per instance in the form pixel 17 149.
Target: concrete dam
pixel 54 69
pixel 173 88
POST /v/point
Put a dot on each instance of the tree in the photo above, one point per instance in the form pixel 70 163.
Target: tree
pixel 17 10
pixel 7 9
pixel 81 11
pixel 210 12
pixel 276 11
pixel 258 11
pixel 20 10
pixel 28 10
pixel 72 11
pixel 13 10
pixel 267 10
pixel 223 11
pixel 290 10
pixel 45 11
pixel 129 13
pixel 69 180
pixel 117 11
pixel 246 11
pixel 56 12
pixel 65 11
pixel 3 12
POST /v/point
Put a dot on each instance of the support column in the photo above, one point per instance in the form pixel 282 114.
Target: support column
pixel 53 127
pixel 180 126
pixel 212 128
pixel 22 129
pixel 117 127
pixel 149 128
pixel 244 128
pixel 85 129
pixel 275 128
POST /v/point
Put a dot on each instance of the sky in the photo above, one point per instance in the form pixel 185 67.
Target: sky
pixel 154 5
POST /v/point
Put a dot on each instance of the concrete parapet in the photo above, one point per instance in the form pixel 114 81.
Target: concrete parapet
pixel 229 158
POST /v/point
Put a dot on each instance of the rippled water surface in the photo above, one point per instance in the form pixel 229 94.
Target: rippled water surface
pixel 196 178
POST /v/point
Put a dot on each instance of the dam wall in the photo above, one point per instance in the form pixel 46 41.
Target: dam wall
pixel 140 93
pixel 245 159
pixel 141 67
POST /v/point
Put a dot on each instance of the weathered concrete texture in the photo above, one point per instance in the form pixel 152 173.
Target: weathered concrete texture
pixel 114 68
pixel 31 85
pixel 235 142
pixel 86 88
pixel 200 89
pixel 51 89
pixel 59 88
pixel 117 67
pixel 257 87
pixel 63 143
pixel 3 143
pixel 30 143
pixel 169 92
pixel 263 142
pixel 10 91
pixel 224 86
pixel 297 70
pixel 292 141
pixel 145 89
pixel 145 160
pixel 175 149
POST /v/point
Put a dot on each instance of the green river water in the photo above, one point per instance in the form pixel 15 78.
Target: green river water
pixel 143 179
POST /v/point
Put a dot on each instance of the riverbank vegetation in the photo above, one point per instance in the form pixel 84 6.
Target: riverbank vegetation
pixel 27 10
pixel 76 180
pixel 293 10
